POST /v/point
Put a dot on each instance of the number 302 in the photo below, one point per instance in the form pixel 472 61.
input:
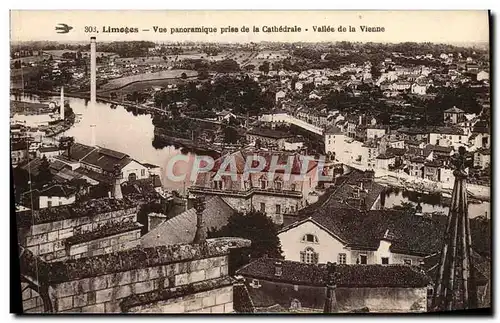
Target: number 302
pixel 90 29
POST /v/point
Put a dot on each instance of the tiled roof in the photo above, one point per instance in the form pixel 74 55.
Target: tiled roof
pixel 101 157
pixel 453 110
pixel 333 130
pixel 182 228
pixel 270 133
pixel 241 157
pixel 48 149
pixel 355 276
pixel 411 234
pixel 58 190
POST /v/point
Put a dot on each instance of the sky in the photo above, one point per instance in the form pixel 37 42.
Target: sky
pixel 400 26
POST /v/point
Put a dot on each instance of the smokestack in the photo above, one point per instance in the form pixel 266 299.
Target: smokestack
pixel 93 88
pixel 278 269
pixel 117 188
pixel 200 235
pixel 61 108
pixel 93 70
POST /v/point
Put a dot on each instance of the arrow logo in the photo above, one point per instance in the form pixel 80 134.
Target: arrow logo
pixel 63 29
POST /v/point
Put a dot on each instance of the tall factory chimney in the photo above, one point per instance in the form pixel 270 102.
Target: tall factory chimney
pixel 61 107
pixel 93 88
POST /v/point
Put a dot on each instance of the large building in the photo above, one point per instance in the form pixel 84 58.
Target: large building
pixel 274 285
pixel 102 161
pixel 272 193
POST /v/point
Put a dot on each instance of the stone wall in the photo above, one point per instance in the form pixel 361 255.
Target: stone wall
pixel 177 278
pixel 103 294
pixel 47 240
pixel 114 243
pixel 32 302
pixel 377 299
pixel 216 301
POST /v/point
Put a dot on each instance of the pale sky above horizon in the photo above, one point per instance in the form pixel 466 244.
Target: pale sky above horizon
pixel 400 26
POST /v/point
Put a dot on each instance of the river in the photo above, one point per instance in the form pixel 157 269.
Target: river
pixel 132 133
pixel 117 129
pixel 432 203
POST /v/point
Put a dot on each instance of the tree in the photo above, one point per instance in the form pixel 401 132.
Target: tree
pixel 264 68
pixel 44 175
pixel 230 134
pixel 256 227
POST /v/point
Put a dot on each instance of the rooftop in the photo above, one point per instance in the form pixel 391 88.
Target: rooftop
pixel 74 269
pixel 182 228
pixel 354 276
pixel 269 133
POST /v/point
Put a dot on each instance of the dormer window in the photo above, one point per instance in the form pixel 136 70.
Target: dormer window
pixel 263 184
pixel 310 238
pixel 278 184
pixel 255 283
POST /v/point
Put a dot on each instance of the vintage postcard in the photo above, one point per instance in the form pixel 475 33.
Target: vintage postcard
pixel 251 161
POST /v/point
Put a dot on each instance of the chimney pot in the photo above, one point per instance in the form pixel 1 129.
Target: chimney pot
pixel 278 268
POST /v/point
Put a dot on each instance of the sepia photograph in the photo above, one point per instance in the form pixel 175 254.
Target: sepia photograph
pixel 250 162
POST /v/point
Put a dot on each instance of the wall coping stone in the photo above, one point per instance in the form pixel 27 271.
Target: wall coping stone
pixel 136 258
pixel 175 292
pixel 103 232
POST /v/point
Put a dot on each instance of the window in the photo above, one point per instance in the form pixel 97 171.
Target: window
pixel 263 207
pixel 385 260
pixel 278 209
pixel 363 259
pixel 308 256
pixel 407 262
pixel 218 185
pixel 255 283
pixel 310 238
pixel 143 172
pixel 60 203
pixel 278 185
pixel 292 209
pixel 263 184
pixel 430 292
pixel 342 258
pixel 49 203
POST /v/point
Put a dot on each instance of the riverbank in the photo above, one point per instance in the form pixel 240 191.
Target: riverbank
pixel 475 193
pixel 86 96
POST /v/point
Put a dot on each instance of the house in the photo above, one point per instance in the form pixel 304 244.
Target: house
pixel 270 190
pixel 375 131
pixel 385 161
pixel 182 228
pixel 482 158
pixel 349 236
pixel 152 169
pixel 483 75
pixel 280 95
pixel 454 115
pixel 416 166
pixel 268 137
pixel 448 137
pixel 48 152
pixel 355 189
pixel 57 195
pixel 419 89
pixel 334 140
pixel 472 68
pixel 103 161
pixel 431 170
pixel 289 286
pixel 18 153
